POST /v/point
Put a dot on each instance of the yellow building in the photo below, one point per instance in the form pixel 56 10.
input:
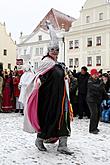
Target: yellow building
pixel 7 49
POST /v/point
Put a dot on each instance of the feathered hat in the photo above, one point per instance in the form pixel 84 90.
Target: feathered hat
pixel 53 44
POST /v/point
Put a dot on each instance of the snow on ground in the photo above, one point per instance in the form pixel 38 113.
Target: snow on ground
pixel 17 147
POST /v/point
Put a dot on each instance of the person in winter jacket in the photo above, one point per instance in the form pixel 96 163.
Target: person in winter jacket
pixel 95 94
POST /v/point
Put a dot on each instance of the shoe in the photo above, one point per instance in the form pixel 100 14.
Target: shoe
pixel 62 148
pixel 21 110
pixel 39 144
pixel 94 132
pixel 17 110
pixel 98 130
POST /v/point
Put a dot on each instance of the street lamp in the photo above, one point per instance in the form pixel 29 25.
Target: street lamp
pixel 63 39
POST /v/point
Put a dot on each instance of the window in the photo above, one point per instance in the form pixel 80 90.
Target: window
pixel 70 63
pixel 37 51
pixel 89 42
pixel 76 44
pixel 36 65
pixel 5 52
pixel 9 66
pixel 31 50
pixel 100 16
pixel 98 60
pixel 41 51
pixel 40 37
pixel 98 40
pixel 25 51
pixel 87 19
pixel 89 61
pixel 70 44
pixel 76 62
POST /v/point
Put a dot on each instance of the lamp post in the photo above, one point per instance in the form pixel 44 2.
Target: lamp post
pixel 63 39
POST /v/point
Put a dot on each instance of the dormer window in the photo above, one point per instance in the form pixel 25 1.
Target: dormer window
pixel 5 52
pixel 40 37
pixel 100 16
pixel 87 19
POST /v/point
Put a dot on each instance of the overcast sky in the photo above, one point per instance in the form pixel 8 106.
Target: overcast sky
pixel 24 15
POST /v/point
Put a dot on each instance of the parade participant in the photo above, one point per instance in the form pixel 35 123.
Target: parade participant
pixel 7 105
pixel 24 81
pixel 1 86
pixel 48 105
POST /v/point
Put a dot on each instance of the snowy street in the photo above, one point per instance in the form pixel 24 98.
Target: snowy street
pixel 17 147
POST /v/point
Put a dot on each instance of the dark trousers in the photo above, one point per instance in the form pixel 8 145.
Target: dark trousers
pixel 82 105
pixel 95 115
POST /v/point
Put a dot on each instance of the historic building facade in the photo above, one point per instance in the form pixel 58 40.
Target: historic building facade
pixel 88 41
pixel 7 49
pixel 34 46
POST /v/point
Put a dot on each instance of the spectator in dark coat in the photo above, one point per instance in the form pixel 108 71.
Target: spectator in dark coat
pixel 106 80
pixel 82 78
pixel 95 94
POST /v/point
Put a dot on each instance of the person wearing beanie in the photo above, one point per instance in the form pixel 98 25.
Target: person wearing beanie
pixel 95 94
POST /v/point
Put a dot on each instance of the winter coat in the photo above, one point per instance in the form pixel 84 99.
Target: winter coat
pixel 95 91
pixel 82 82
pixel 16 81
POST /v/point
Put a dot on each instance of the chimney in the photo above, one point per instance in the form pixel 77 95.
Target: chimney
pixel 9 34
pixel 21 34
pixel 4 24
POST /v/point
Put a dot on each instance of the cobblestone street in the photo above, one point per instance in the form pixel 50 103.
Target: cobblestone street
pixel 17 147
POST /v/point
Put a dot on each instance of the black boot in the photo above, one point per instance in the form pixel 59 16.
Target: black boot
pixel 39 144
pixel 17 110
pixel 62 148
pixel 21 111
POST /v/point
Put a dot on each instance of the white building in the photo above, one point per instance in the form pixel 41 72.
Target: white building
pixel 34 46
pixel 7 49
pixel 88 40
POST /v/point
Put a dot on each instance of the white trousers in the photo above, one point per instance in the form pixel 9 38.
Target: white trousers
pixel 19 105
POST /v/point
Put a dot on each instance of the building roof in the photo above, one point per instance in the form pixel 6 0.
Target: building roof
pixel 58 19
pixel 91 4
